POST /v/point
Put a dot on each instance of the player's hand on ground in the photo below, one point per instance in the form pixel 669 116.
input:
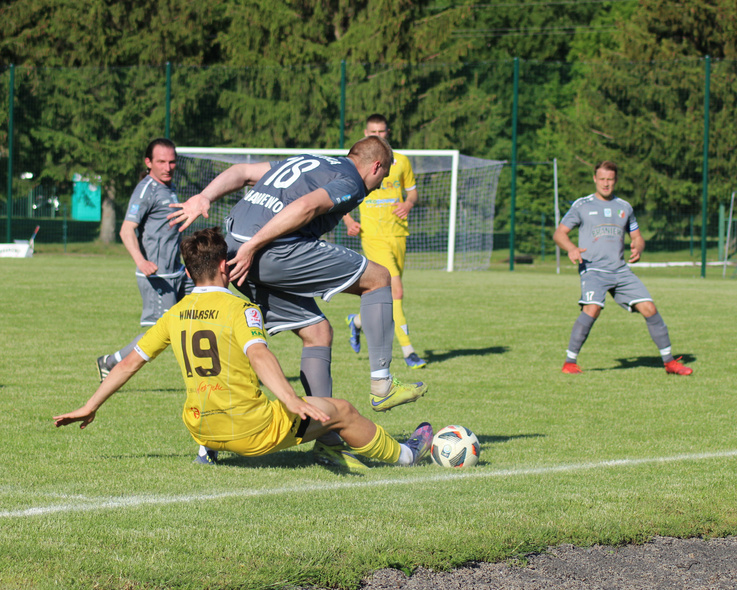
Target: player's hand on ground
pixel 148 268
pixel 187 212
pixel 575 255
pixel 402 210
pixel 80 415
pixel 240 264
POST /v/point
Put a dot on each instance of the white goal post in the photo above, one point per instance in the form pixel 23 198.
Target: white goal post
pixel 452 227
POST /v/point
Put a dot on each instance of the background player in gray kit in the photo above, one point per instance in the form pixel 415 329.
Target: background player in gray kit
pixel 153 244
pixel 603 220
pixel 280 263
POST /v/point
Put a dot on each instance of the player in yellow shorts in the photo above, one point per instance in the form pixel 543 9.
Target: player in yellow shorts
pixel 384 229
pixel 219 342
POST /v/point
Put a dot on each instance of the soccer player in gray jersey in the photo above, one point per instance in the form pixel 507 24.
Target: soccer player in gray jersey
pixel 603 220
pixel 153 244
pixel 280 263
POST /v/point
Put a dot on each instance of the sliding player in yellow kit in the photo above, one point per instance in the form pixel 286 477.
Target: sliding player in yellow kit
pixel 384 229
pixel 219 341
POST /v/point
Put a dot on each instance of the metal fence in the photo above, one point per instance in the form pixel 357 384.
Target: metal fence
pixel 669 125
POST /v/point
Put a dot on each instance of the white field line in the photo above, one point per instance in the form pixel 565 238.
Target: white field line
pixel 86 505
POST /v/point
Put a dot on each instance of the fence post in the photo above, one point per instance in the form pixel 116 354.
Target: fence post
pixel 721 231
pixel 513 191
pixel 705 170
pixel 342 104
pixel 64 228
pixel 167 125
pixel 11 96
pixel 542 236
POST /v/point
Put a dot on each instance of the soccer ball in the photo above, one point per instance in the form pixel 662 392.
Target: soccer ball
pixel 455 446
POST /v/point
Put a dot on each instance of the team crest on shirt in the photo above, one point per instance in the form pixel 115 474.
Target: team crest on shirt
pixel 253 318
pixel 620 213
pixel 607 212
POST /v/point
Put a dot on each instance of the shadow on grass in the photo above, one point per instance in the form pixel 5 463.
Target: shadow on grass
pixel 285 459
pixel 645 361
pixel 436 357
pixel 485 439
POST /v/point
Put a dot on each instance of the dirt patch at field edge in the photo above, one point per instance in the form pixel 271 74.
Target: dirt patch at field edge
pixel 663 563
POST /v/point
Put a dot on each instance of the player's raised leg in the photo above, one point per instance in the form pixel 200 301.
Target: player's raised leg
pixel 378 327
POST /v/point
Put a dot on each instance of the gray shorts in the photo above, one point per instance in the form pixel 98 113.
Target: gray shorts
pixel 287 275
pixel 161 293
pixel 626 288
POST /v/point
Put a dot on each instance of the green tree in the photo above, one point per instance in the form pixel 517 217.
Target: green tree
pixel 640 103
pixel 96 119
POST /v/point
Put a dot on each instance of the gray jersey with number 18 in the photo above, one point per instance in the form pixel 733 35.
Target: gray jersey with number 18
pixel 291 179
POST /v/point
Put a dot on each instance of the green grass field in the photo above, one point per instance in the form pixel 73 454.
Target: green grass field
pixel 618 454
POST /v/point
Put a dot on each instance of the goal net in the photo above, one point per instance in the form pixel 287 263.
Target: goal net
pixel 452 228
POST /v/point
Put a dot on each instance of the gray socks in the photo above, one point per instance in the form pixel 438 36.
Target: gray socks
pixel 377 323
pixel 579 333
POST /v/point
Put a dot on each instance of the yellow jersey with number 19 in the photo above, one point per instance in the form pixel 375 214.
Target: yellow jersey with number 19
pixel 209 332
pixel 377 209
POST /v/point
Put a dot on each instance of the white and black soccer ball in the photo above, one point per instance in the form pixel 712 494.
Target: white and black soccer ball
pixel 455 446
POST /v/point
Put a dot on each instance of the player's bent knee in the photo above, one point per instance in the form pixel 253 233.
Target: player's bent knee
pixel 375 276
pixel 345 411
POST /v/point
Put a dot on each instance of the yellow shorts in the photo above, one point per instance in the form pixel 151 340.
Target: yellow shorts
pixel 388 252
pixel 286 430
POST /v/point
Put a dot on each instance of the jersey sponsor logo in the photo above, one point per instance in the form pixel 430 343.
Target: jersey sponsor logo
pixel 198 314
pixel 389 185
pixel 264 200
pixel 607 212
pixel 195 413
pixel 133 209
pixel 593 212
pixel 607 231
pixel 253 318
pixel 381 202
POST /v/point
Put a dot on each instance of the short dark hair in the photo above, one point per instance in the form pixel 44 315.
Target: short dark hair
pixel 162 141
pixel 606 165
pixel 377 118
pixel 371 149
pixel 203 252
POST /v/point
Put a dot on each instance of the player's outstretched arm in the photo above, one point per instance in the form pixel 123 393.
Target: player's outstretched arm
pixel 188 212
pixel 270 373
pixel 233 179
pixel 118 377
